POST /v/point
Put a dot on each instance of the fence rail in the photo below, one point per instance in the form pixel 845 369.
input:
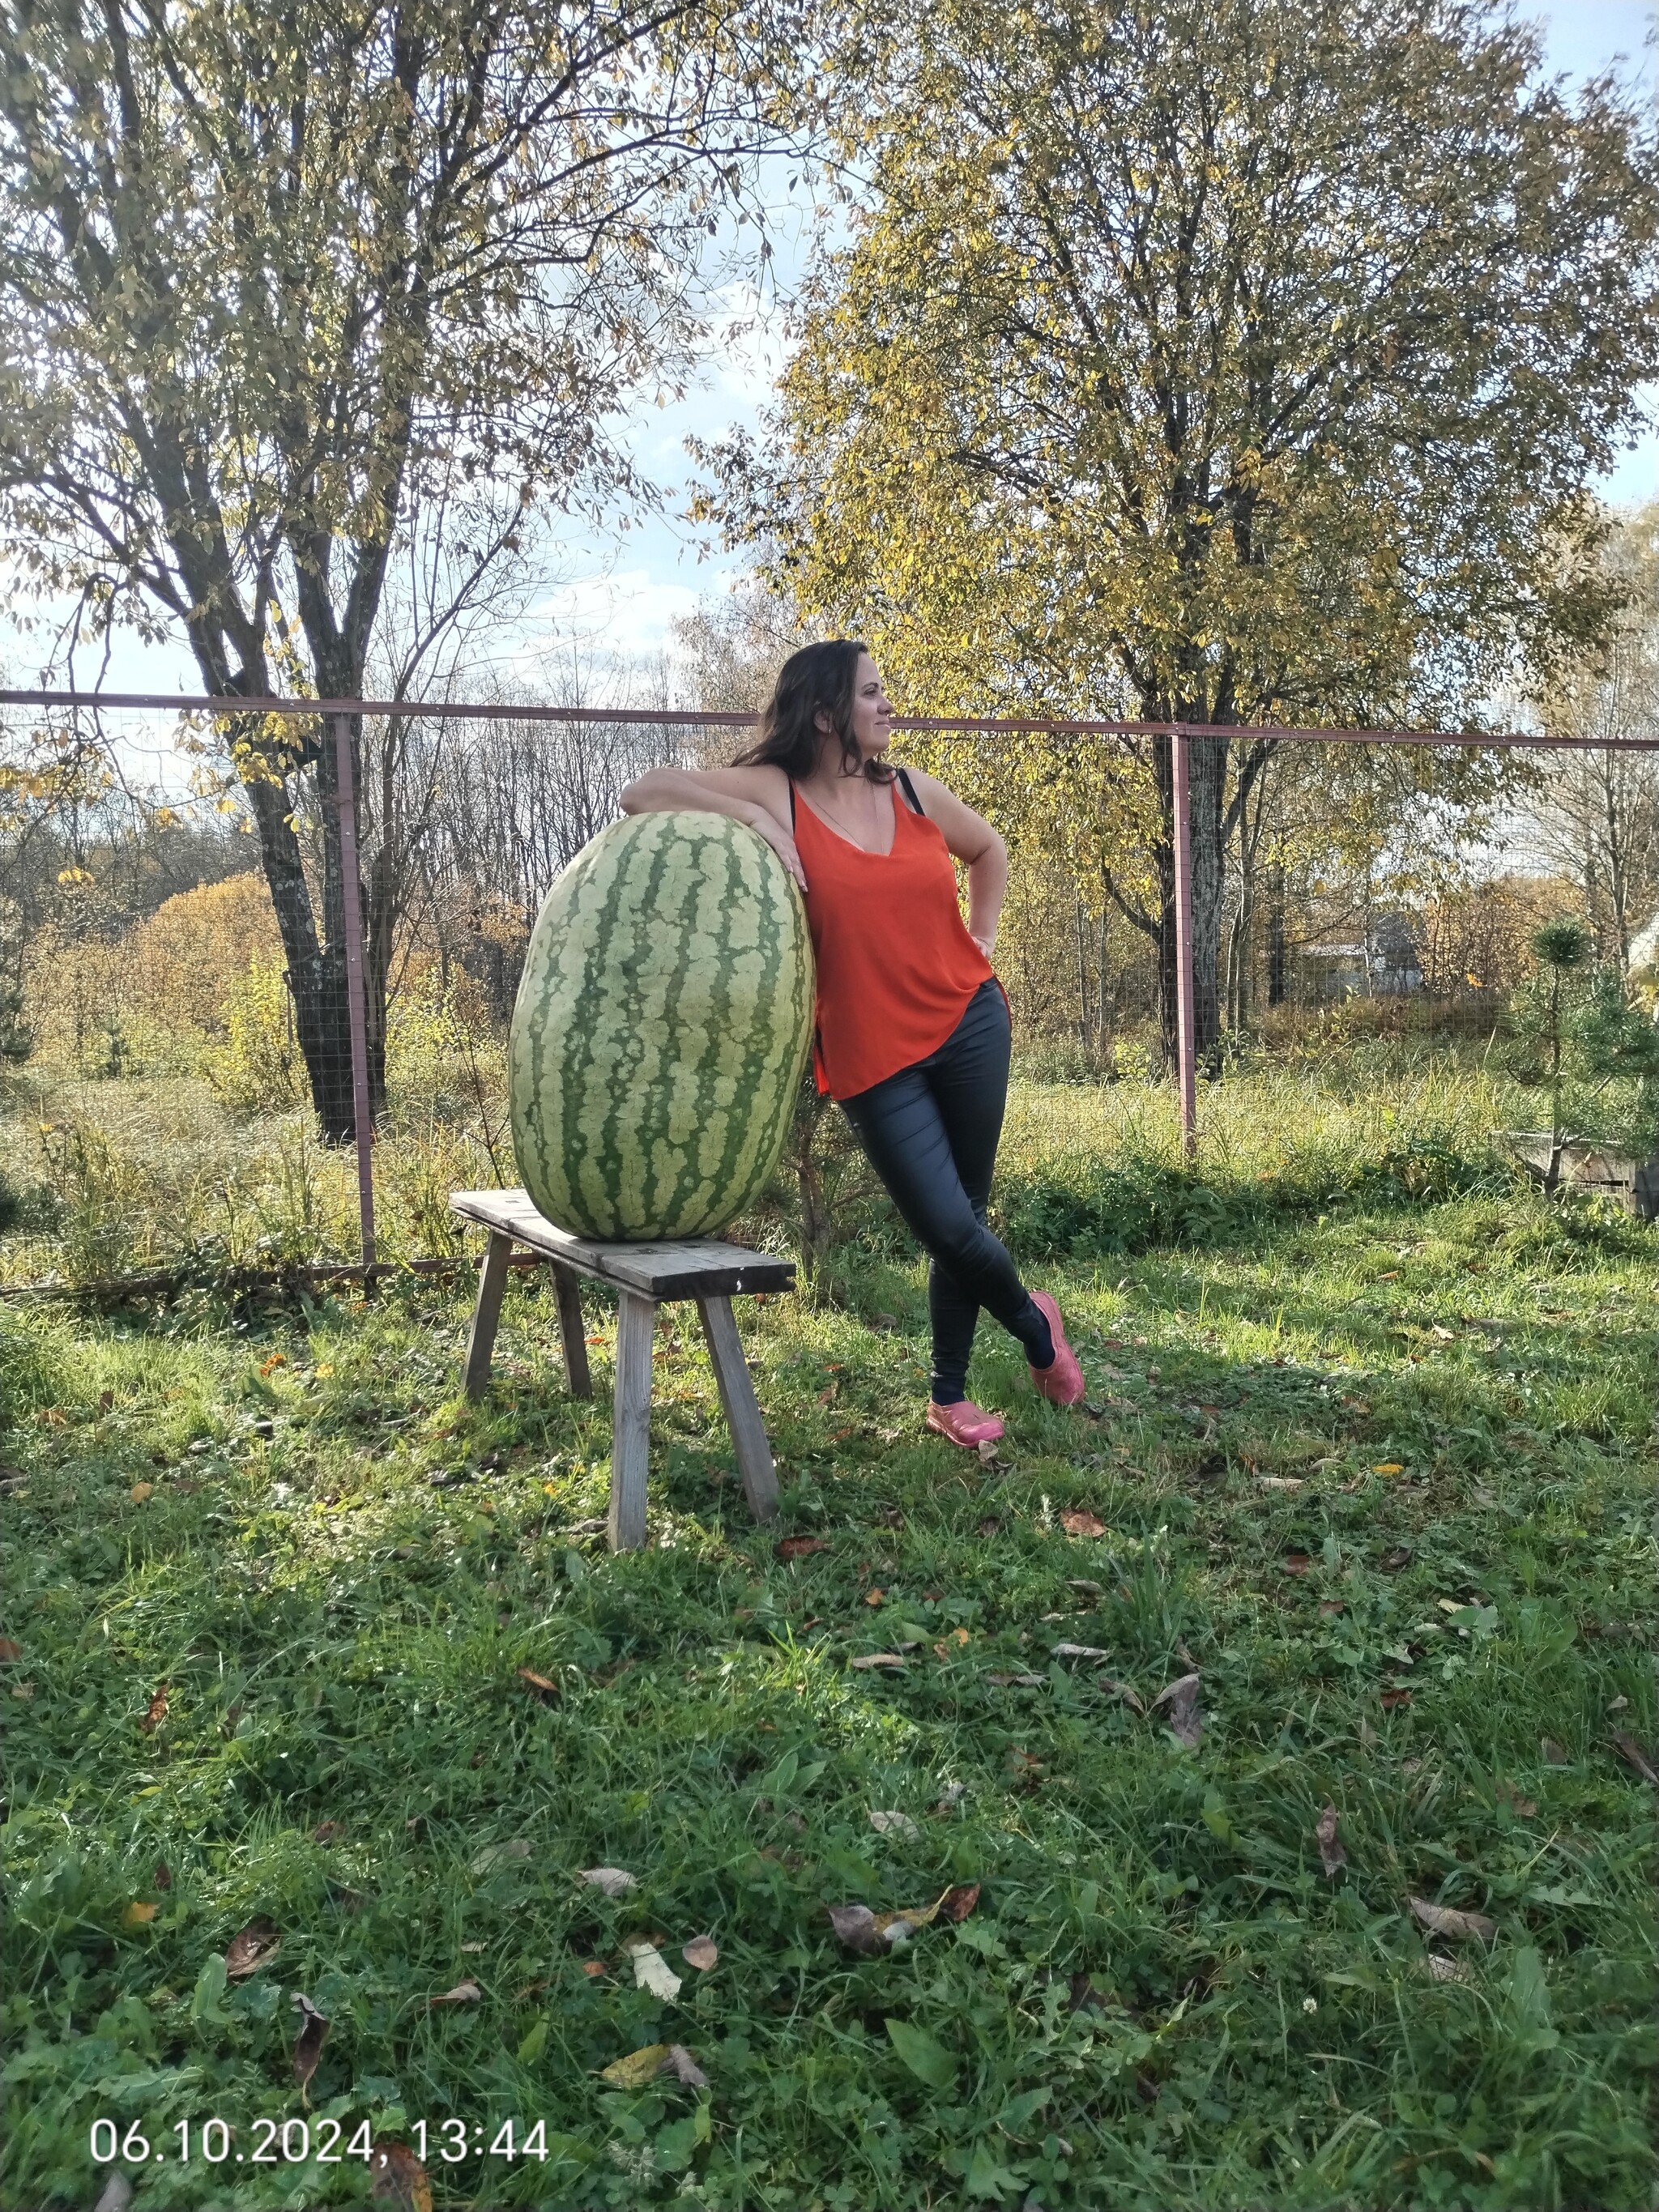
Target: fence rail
pixel 340 715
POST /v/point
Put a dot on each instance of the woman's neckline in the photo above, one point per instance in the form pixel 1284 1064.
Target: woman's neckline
pixel 842 836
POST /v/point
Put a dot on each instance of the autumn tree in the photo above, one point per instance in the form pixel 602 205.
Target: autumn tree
pixel 276 274
pixel 1229 362
pixel 1597 813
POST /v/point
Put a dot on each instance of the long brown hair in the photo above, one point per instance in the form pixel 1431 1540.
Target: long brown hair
pixel 818 680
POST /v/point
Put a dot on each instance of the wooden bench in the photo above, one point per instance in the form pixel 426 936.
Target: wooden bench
pixel 645 1276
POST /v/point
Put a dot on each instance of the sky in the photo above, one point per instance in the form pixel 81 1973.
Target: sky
pixel 618 590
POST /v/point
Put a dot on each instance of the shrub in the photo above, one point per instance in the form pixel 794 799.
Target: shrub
pixel 257 1068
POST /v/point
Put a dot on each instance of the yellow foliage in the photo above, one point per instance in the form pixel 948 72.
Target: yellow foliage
pixel 190 958
pixel 257 1068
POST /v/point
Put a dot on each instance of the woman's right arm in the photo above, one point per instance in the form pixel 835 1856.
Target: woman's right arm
pixel 758 797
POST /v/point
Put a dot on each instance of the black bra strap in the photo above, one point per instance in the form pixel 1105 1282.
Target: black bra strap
pixel 792 805
pixel 909 790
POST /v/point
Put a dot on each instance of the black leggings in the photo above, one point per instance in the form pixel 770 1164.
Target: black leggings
pixel 931 1133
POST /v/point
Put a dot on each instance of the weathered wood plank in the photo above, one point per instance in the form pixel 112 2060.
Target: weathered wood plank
pixel 486 1315
pixel 743 1413
pixel 691 1267
pixel 630 1438
pixel 570 1331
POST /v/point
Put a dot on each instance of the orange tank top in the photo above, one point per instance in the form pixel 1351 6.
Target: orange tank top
pixel 895 965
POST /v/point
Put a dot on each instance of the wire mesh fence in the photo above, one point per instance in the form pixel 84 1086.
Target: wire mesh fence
pixel 257 970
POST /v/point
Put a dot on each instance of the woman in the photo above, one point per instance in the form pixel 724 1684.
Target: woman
pixel 913 1031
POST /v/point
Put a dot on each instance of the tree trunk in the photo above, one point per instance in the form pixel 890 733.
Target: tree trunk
pixel 315 974
pixel 1277 973
pixel 1104 981
pixel 1206 762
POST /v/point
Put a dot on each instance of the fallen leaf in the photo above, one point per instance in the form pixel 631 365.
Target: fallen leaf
pixel 539 1685
pixel 25 1690
pixel 958 1902
pixel 325 1831
pixel 595 1969
pixel 652 1971
pixel 1390 1699
pixel 1391 1562
pixel 10 1653
pixel 1115 1689
pixel 157 1711
pixel 701 1952
pixel 875 1597
pixel 1445 1969
pixel 615 1881
pixel 1331 1607
pixel 1282 1481
pixel 1389 1467
pixel 878 1659
pixel 163 1874
pixel 1332 1857
pixel 872 1934
pixel 1080 1651
pixel 895 1824
pixel 1179 1704
pixel 141 1491
pixel 1077 1521
pixel 1524 1807
pixel 53 1417
pixel 680 2062
pixel 1296 1563
pixel 1628 1748
pixel 249 1950
pixel 1017 1681
pixel 494 1855
pixel 400 2179
pixel 276 1359
pixel 855 1927
pixel 637 2069
pixel 116 2193
pixel 139 1916
pixel 1555 1754
pixel 799 1548
pixel 987 1449
pixel 1442 1920
pixel 314 2033
pixel 989 1525
pixel 466 1993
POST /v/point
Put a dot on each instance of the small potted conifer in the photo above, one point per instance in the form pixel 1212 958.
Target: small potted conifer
pixel 1575 1028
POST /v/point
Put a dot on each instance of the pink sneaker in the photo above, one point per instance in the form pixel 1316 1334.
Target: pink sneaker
pixel 1062 1384
pixel 964 1423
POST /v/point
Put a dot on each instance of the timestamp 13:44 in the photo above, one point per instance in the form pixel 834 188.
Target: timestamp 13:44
pixel 296 2142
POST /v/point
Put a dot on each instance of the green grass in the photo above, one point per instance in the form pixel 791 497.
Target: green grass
pixel 1160 1999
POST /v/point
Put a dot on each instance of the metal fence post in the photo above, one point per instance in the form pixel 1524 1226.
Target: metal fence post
pixel 356 1002
pixel 1186 1043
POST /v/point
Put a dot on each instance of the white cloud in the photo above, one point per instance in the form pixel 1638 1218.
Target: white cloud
pixel 629 612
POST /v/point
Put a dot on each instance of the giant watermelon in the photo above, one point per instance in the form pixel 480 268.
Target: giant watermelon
pixel 660 1030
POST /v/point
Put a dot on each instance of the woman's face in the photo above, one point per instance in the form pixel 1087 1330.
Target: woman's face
pixel 873 710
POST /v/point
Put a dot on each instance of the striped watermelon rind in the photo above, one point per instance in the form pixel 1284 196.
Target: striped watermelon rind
pixel 662 1027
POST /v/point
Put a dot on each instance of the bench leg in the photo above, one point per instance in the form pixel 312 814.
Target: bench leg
pixel 568 1291
pixel 486 1313
pixel 743 1413
pixel 630 1440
